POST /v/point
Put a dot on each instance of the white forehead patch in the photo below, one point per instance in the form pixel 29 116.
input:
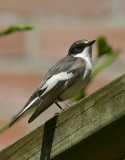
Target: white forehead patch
pixel 86 41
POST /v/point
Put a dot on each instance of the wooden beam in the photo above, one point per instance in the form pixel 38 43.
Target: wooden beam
pixel 92 129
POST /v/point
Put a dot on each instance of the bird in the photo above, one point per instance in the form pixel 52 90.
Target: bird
pixel 63 81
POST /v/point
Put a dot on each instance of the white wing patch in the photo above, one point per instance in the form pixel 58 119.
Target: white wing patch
pixel 50 83
pixel 30 104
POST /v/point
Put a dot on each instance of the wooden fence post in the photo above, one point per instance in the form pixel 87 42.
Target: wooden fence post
pixel 92 129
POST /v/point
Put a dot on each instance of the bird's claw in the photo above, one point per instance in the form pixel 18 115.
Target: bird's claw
pixel 55 114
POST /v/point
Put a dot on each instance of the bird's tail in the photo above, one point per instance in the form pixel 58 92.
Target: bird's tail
pixel 35 102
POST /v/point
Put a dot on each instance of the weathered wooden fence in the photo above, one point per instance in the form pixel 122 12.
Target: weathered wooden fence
pixel 92 129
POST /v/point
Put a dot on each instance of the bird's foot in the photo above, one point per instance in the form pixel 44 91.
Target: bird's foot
pixel 63 109
pixel 56 114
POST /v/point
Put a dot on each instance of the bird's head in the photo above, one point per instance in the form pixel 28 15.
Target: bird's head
pixel 83 47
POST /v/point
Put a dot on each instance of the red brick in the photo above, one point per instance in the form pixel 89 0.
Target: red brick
pixel 15 90
pixel 55 42
pixel 12 45
pixel 55 6
pixel 96 83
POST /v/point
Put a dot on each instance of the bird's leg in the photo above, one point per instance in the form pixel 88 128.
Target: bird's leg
pixel 59 106
pixel 64 102
pixel 62 109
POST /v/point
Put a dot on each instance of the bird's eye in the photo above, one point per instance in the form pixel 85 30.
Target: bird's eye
pixel 79 47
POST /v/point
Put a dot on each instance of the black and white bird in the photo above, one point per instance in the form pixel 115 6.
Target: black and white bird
pixel 63 81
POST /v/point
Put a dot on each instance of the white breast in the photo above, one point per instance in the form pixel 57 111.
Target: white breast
pixel 80 83
pixel 86 56
pixel 88 68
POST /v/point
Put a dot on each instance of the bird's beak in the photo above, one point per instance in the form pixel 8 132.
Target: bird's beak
pixel 90 43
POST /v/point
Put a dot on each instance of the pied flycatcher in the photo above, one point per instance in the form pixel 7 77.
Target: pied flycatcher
pixel 63 81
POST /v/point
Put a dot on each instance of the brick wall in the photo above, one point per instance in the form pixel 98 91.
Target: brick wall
pixel 25 57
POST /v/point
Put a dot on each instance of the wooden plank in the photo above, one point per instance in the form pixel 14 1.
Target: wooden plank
pixel 73 133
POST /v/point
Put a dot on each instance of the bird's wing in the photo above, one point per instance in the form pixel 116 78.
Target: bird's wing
pixel 59 67
pixel 57 84
pixel 50 82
